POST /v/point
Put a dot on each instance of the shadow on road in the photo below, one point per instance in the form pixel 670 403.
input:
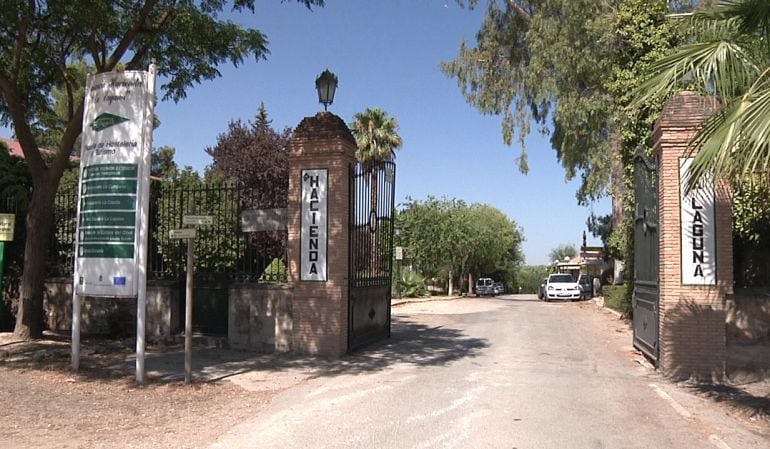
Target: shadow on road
pixel 745 402
pixel 410 343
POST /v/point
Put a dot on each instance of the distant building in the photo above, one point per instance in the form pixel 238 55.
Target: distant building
pixel 14 149
pixel 590 261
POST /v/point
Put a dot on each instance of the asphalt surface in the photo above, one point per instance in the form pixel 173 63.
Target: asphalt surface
pixel 505 372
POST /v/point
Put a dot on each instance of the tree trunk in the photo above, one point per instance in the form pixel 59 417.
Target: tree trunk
pixel 451 275
pixel 470 284
pixel 461 276
pixel 617 184
pixel 29 321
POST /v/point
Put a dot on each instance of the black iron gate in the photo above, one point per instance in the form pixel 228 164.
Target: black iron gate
pixel 372 192
pixel 646 294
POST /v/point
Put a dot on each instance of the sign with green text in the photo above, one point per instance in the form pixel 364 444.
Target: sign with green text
pixel 114 183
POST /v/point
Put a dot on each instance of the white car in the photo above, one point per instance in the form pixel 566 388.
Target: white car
pixel 562 286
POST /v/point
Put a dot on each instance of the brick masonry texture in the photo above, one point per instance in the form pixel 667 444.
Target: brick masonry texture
pixel 320 309
pixel 691 318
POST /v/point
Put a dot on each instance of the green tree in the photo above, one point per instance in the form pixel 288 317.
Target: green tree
pixel 730 59
pixel 450 240
pixel 254 158
pixel 529 277
pixel 262 120
pixel 163 165
pixel 562 252
pixel 377 140
pixel 376 135
pixel 38 42
pixel 541 63
pixel 15 184
pixel 569 67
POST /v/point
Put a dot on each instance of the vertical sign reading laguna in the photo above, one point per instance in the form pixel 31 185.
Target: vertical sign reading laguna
pixel 698 230
pixel 113 188
pixel 313 236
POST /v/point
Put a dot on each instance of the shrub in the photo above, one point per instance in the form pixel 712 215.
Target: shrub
pixel 412 284
pixel 618 297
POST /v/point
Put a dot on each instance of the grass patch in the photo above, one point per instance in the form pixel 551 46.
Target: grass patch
pixel 618 297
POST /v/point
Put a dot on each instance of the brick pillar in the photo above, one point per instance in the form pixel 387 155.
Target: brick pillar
pixel 692 317
pixel 320 307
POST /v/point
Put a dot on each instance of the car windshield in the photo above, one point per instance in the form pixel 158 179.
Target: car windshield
pixel 490 282
pixel 561 278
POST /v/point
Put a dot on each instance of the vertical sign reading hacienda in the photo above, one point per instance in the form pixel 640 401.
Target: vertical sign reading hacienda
pixel 113 189
pixel 698 230
pixel 313 237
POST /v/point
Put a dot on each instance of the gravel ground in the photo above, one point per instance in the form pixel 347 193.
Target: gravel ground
pixel 44 404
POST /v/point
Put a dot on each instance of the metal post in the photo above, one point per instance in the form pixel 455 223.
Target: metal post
pixel 188 307
pixel 188 313
pixel 398 279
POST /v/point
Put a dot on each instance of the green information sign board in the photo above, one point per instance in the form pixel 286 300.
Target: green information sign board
pixel 107 227
pixel 106 251
pixel 107 235
pixel 101 218
pixel 110 171
pixel 108 203
pixel 112 186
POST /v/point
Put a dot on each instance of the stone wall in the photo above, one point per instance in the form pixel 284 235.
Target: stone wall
pixel 260 317
pixel 115 317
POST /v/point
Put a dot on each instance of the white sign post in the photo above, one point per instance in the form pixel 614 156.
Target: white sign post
pixel 698 230
pixel 113 196
pixel 314 229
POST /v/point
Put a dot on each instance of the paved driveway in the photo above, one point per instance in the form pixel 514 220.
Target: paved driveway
pixel 504 372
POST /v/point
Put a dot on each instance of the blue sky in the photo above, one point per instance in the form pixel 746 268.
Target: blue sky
pixel 386 54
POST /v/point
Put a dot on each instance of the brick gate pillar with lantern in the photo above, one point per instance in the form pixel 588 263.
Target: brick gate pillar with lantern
pixel 696 262
pixel 321 152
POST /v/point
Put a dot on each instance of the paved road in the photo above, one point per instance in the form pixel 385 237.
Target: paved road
pixel 505 372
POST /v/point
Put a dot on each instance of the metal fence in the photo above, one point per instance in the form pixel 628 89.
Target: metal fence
pixel 371 223
pixel 372 192
pixel 222 250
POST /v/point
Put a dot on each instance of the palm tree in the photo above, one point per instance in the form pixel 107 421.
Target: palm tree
pixel 376 135
pixel 377 140
pixel 730 59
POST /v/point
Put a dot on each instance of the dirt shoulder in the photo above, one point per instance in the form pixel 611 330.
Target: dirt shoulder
pixel 46 405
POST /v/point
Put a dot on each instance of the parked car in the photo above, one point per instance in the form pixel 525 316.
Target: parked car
pixel 561 286
pixel 586 286
pixel 485 287
pixel 499 288
pixel 541 289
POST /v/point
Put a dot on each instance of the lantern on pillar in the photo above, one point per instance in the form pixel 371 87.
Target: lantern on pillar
pixel 326 85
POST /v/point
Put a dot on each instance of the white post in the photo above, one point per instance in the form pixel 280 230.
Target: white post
pixel 141 260
pixel 75 329
pixel 75 343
